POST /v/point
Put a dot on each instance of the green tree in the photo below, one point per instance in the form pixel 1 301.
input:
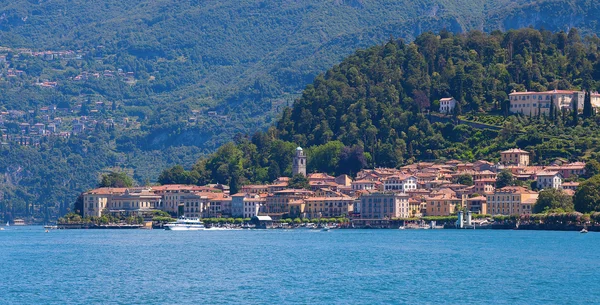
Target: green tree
pixel 587 105
pixel 592 168
pixel 553 200
pixel 587 196
pixel 465 179
pixel 298 181
pixel 116 179
pixel 504 178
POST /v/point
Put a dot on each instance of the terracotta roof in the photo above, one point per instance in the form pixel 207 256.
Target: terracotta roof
pixel 514 151
pixel 515 189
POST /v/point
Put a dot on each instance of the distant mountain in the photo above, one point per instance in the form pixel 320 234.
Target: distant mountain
pixel 203 71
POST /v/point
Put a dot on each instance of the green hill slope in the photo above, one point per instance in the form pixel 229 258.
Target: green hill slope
pixel 374 108
pixel 245 60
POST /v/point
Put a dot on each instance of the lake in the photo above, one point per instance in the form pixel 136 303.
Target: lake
pixel 298 266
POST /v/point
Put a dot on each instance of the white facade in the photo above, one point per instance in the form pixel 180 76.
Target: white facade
pixel 400 183
pixel 547 180
pixel 447 105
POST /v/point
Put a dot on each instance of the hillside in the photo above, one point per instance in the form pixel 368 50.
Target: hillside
pixel 157 83
pixel 375 108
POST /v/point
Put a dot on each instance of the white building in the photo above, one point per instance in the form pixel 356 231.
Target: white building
pixel 447 104
pixel 547 180
pixel 401 183
pixel 245 205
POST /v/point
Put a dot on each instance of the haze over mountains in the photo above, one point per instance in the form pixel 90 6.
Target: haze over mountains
pixel 244 60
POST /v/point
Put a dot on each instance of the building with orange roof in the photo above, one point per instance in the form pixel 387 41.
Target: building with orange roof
pixel 485 186
pixel 511 200
pixel 441 204
pixel 477 205
pixel 515 156
pixel 328 207
pixel 359 185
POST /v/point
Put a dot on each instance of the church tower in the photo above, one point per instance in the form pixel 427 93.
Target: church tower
pixel 299 166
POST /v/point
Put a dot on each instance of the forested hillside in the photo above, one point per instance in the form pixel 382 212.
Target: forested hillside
pixel 173 80
pixel 375 108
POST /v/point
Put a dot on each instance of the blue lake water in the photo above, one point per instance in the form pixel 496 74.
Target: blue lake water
pixel 301 267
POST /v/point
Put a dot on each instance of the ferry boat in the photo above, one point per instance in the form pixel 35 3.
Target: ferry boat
pixel 185 224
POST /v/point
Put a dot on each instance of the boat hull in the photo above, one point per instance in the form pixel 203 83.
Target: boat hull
pixel 184 228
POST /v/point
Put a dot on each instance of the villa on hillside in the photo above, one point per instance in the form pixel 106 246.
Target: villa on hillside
pixel 535 103
pixel 447 104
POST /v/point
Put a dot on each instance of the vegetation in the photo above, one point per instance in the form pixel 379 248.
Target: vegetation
pixel 247 59
pixel 553 201
pixel 375 105
pixel 587 196
pixel 465 179
pixel 115 179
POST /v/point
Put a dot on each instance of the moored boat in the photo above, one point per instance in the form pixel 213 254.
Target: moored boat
pixel 185 224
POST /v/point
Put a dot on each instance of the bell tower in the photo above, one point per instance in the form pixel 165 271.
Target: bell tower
pixel 299 166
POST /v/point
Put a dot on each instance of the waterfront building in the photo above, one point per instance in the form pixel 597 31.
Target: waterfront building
pixel 384 205
pixel 477 205
pixel 193 204
pixel 299 162
pixel 278 204
pixel 135 201
pixel 245 205
pixel 442 204
pixel 98 200
pixel 515 156
pixel 328 207
pixel 511 200
pixel 219 205
pixel 172 195
pixel 253 204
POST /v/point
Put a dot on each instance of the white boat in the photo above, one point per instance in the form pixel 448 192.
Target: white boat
pixel 584 230
pixel 50 227
pixel 7 224
pixel 325 228
pixel 185 224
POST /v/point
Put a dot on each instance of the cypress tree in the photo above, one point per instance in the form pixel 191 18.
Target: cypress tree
pixel 587 105
pixel 575 111
pixel 551 114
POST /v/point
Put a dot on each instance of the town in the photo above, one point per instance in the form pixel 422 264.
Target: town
pixel 374 196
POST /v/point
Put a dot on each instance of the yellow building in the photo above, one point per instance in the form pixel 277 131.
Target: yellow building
pixel 442 204
pixel 135 200
pixel 534 103
pixel 98 200
pixel 278 203
pixel 328 207
pixel 511 200
pixel 515 156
